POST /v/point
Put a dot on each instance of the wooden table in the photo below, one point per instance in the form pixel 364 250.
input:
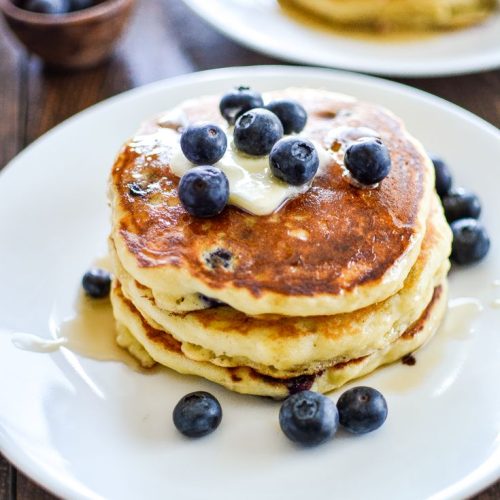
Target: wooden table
pixel 164 39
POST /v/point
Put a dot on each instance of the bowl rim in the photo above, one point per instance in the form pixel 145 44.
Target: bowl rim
pixel 102 9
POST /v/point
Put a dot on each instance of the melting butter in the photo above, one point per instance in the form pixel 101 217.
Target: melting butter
pixel 252 186
pixel 34 343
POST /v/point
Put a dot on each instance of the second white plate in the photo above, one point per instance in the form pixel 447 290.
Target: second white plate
pixel 262 25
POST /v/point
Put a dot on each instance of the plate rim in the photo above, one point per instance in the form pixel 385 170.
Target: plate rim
pixel 448 67
pixel 61 487
pixel 225 72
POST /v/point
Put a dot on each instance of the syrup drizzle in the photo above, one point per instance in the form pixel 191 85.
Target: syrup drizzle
pixel 458 325
pixel 90 332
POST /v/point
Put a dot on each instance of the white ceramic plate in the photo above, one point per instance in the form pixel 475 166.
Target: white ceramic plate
pixel 261 25
pixel 90 429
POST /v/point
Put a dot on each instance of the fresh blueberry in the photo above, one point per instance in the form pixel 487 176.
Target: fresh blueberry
pixel 443 176
pixel 97 283
pixel 47 6
pixel 204 191
pixel 256 132
pixel 362 409
pixel 368 161
pixel 238 101
pixel 80 4
pixel 197 414
pixel 460 203
pixel 203 144
pixel 308 418
pixel 294 160
pixel 470 241
pixel 292 115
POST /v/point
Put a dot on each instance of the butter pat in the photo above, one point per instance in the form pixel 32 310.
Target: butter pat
pixel 252 186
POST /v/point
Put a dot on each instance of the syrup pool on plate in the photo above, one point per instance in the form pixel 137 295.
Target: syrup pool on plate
pixel 458 325
pixel 91 332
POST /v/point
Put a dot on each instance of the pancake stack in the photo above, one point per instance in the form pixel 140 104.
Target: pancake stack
pixel 336 283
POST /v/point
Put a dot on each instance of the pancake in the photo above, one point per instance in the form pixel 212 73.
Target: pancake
pixel 332 250
pixel 398 14
pixel 164 349
pixel 287 346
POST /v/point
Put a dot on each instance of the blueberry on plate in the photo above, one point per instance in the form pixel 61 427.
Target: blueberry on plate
pixel 204 191
pixel 203 144
pixel 294 160
pixel 308 418
pixel 257 131
pixel 470 241
pixel 292 115
pixel 97 283
pixel 362 409
pixel 443 176
pixel 368 161
pixel 75 5
pixel 47 6
pixel 197 414
pixel 460 203
pixel 238 101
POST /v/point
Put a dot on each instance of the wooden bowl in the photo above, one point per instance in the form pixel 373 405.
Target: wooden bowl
pixel 76 40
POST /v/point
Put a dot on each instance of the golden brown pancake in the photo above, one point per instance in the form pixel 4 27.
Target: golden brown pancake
pixel 386 15
pixel 137 334
pixel 287 346
pixel 360 244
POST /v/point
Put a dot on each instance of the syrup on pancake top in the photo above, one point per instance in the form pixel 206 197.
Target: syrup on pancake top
pixel 307 206
pixel 310 203
pixel 280 242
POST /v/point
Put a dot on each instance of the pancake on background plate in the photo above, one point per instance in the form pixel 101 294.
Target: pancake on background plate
pixel 397 14
pixel 337 282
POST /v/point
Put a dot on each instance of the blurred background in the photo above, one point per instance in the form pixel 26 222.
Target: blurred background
pixel 163 39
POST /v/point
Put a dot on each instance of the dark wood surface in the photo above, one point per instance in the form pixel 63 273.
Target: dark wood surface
pixel 164 39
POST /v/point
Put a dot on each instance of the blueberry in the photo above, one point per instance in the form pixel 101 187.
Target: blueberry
pixel 294 160
pixel 460 203
pixel 197 414
pixel 135 189
pixel 470 241
pixel 47 6
pixel 203 144
pixel 300 383
pixel 80 4
pixel 443 176
pixel 368 161
pixel 204 191
pixel 362 409
pixel 292 115
pixel 209 302
pixel 256 132
pixel 97 283
pixel 308 418
pixel 238 101
pixel 219 258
